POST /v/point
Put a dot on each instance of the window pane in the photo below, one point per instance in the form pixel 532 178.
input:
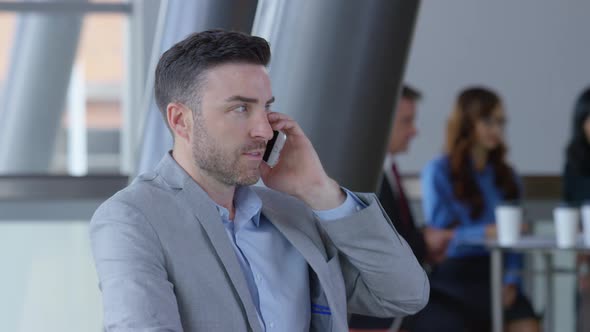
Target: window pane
pixel 7 27
pixel 51 284
pixel 87 138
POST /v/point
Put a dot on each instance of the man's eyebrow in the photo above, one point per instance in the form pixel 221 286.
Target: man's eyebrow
pixel 242 99
pixel 248 100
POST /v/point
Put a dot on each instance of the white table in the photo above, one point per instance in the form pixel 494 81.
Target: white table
pixel 528 244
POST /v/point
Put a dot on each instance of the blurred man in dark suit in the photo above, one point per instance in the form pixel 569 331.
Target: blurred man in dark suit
pixel 428 244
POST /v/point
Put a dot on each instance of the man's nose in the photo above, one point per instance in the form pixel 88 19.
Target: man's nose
pixel 261 127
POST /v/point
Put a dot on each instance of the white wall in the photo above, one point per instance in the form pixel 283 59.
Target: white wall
pixel 535 53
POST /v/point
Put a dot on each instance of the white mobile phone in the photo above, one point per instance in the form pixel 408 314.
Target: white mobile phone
pixel 274 147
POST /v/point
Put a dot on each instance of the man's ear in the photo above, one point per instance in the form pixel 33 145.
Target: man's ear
pixel 180 120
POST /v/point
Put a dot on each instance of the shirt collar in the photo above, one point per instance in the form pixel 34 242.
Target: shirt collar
pixel 247 204
pixel 388 161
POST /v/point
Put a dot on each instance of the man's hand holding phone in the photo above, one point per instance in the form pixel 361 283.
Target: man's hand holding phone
pixel 299 171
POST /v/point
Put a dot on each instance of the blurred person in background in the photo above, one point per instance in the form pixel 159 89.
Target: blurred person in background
pixel 428 244
pixel 576 174
pixel 460 192
pixel 576 190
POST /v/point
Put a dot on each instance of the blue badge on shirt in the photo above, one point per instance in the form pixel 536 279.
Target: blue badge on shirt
pixel 320 309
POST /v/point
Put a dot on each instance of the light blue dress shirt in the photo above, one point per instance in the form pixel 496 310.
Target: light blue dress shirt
pixel 276 273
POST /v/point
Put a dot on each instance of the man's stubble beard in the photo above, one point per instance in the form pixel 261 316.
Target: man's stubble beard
pixel 224 166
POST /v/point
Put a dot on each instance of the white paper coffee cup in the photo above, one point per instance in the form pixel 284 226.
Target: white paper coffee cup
pixel 586 223
pixel 508 224
pixel 566 226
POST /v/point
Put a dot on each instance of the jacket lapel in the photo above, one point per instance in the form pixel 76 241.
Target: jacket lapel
pixel 311 247
pixel 309 244
pixel 203 208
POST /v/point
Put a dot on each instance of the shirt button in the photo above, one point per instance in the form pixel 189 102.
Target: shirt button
pixel 258 277
pixel 272 325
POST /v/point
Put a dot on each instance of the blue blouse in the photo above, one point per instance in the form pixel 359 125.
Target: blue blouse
pixel 443 210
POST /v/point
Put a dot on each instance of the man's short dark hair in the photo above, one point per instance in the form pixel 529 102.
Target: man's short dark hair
pixel 411 93
pixel 180 70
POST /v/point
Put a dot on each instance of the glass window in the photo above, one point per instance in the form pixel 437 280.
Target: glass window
pixel 83 136
pixel 7 27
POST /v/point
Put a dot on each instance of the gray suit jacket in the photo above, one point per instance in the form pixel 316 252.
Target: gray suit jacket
pixel 165 262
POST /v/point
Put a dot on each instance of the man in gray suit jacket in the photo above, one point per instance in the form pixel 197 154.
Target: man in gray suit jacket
pixel 193 246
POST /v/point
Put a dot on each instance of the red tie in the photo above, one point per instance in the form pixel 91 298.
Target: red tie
pixel 403 201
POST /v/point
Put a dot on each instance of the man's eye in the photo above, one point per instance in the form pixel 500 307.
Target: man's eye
pixel 241 108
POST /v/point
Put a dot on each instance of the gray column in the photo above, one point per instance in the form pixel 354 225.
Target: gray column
pixel 38 82
pixel 336 68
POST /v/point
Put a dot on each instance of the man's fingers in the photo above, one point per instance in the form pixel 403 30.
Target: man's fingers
pixel 288 126
pixel 280 121
pixel 275 116
pixel 283 125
